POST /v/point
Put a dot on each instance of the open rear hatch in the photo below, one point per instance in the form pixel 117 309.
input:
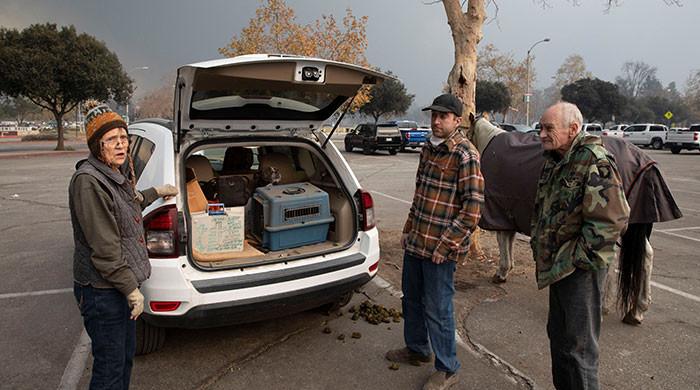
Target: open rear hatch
pixel 263 93
pixel 285 199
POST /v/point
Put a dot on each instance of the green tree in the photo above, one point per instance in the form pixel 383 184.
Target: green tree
pixel 18 108
pixel 58 68
pixel 389 97
pixel 598 100
pixel 492 96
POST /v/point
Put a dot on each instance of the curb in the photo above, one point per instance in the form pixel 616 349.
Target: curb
pixel 10 155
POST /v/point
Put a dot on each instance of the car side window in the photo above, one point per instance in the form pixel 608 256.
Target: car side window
pixel 141 151
pixel 656 128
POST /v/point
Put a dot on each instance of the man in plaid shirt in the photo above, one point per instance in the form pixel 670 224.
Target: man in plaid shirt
pixel 445 212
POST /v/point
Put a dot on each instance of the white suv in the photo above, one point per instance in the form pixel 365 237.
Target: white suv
pixel 299 231
pixel 646 134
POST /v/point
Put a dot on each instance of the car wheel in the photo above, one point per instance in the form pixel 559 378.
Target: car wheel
pixel 149 338
pixel 657 143
pixel 675 150
pixel 393 151
pixel 336 305
pixel 348 147
pixel 402 149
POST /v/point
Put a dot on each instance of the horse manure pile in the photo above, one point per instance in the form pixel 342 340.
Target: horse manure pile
pixel 374 314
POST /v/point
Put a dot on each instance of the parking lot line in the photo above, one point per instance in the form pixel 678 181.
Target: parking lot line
pixel 679 229
pixel 674 291
pixel 678 235
pixel 76 365
pixel 687 209
pixel 390 197
pixel 35 293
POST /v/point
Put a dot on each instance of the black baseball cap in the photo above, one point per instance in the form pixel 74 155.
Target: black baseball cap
pixel 446 103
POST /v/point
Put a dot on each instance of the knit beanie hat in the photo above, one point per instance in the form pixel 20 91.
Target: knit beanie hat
pixel 99 119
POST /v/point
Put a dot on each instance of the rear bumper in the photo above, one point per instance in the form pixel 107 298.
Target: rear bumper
pixel 682 145
pixel 259 308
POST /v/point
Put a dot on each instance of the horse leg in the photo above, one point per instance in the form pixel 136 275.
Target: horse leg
pixel 610 286
pixel 644 297
pixel 505 251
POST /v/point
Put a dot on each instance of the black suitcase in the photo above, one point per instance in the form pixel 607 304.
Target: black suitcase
pixel 233 190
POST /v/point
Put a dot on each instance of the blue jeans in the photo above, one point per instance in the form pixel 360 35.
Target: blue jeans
pixel 573 327
pixel 428 311
pixel 106 318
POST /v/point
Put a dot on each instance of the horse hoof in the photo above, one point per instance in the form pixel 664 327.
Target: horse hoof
pixel 498 279
pixel 629 319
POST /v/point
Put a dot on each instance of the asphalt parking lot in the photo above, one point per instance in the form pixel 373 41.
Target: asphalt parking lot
pixel 41 329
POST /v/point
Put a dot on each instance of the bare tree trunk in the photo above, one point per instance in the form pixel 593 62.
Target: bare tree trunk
pixel 466 34
pixel 59 130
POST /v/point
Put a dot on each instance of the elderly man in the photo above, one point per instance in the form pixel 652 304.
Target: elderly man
pixel 444 213
pixel 580 212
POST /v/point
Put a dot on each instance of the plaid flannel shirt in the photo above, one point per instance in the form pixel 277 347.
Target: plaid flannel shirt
pixel 447 202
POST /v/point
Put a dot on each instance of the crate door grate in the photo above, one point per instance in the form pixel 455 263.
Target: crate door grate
pixel 302 212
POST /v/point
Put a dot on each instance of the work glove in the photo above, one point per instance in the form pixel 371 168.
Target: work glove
pixel 166 191
pixel 135 299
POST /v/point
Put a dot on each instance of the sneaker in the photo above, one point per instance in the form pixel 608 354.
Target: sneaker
pixel 440 380
pixel 405 355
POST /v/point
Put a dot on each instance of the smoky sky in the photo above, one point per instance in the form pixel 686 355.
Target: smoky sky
pixel 408 37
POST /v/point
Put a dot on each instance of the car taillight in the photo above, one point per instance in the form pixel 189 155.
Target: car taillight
pixel 161 232
pixel 605 133
pixel 695 136
pixel 367 212
pixel 164 306
pixel 374 267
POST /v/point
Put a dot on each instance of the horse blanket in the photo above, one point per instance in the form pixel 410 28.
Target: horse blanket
pixel 511 166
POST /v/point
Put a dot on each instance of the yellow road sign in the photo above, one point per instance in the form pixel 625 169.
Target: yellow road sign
pixel 668 115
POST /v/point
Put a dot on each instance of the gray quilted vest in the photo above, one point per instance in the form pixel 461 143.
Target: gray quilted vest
pixel 127 213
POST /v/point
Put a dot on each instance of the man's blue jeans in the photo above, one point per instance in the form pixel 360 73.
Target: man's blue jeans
pixel 573 328
pixel 106 318
pixel 428 289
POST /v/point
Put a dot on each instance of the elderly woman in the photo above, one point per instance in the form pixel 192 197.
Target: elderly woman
pixel 110 260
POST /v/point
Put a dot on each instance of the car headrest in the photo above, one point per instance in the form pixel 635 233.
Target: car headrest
pixel 201 167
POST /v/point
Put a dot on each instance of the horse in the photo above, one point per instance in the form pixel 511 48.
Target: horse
pixel 511 163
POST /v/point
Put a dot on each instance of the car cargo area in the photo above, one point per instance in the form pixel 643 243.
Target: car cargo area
pixel 251 204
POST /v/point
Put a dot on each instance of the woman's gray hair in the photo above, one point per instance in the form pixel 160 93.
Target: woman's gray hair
pixel 570 114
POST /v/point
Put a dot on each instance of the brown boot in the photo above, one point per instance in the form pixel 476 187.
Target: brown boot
pixel 440 380
pixel 405 355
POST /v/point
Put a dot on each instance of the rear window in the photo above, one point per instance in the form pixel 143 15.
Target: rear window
pixel 694 128
pixel 141 151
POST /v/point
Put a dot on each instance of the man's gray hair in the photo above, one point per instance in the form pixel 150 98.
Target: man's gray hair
pixel 570 114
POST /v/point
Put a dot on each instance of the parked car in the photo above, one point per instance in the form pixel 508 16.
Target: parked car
pixel 298 230
pixel 412 135
pixel 646 134
pixel 615 131
pixel 370 137
pixel 592 128
pixel 683 138
pixel 515 127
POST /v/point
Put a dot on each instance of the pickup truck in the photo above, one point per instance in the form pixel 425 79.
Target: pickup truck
pixel 592 128
pixel 615 131
pixel 412 136
pixel 646 134
pixel 684 139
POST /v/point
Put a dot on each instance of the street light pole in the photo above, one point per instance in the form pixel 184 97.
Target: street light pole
pixel 127 100
pixel 527 94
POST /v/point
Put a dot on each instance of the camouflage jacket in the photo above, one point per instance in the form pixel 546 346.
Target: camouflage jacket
pixel 580 211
